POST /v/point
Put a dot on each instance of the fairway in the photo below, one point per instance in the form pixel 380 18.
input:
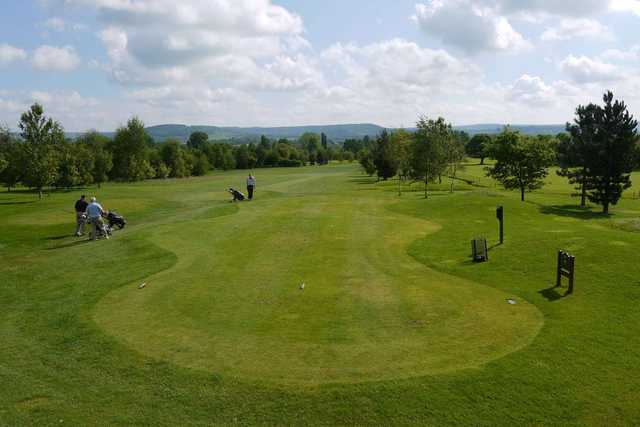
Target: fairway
pixel 394 323
pixel 232 303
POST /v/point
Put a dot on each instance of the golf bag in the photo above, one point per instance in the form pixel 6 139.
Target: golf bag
pixel 237 196
pixel 116 220
pixel 103 229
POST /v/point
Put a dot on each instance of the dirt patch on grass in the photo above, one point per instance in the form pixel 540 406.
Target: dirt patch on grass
pixel 32 402
pixel 632 225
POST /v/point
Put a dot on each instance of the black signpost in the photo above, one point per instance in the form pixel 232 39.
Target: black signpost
pixel 500 216
pixel 566 268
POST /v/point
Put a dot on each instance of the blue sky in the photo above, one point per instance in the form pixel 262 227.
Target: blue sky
pixel 95 63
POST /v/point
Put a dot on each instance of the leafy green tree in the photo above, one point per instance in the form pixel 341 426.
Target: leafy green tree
pixel 365 157
pixel 67 175
pixel 309 141
pixel 242 157
pixel 462 137
pixel 455 156
pixel 609 156
pixel 272 158
pixel 348 156
pixel 174 157
pixel 85 164
pixel 131 152
pixel 197 140
pixel 228 160
pixel 521 161
pixel 571 150
pixel 353 145
pixel 11 151
pixel 476 147
pixel 385 156
pixel 162 171
pixel 429 154
pixel 97 145
pixel 41 136
pixel 200 164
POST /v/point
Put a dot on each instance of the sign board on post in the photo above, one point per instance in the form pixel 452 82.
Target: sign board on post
pixel 566 268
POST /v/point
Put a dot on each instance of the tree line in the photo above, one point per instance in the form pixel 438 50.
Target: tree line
pixel 597 154
pixel 41 157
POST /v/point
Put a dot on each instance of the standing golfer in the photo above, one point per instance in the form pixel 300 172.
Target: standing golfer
pixel 81 207
pixel 251 185
pixel 94 213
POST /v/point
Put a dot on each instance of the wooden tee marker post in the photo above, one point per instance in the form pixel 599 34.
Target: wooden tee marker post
pixel 566 268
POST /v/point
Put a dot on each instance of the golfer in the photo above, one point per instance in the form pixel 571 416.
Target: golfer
pixel 81 207
pixel 94 213
pixel 251 185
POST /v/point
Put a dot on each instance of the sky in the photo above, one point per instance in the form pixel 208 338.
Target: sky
pixel 93 64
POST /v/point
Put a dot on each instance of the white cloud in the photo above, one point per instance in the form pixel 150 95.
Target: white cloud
pixel 387 82
pixel 630 54
pixel 55 23
pixel 583 69
pixel 570 8
pixel 73 110
pixel 533 92
pixel 51 58
pixel 571 28
pixel 10 54
pixel 632 6
pixel 468 25
pixel 215 43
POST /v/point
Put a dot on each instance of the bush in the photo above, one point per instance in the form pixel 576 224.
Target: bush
pixel 290 163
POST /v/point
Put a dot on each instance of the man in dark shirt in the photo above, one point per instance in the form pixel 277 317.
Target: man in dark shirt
pixel 81 207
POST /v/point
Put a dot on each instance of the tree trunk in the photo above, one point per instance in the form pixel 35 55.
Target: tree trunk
pixel 605 208
pixel 481 161
pixel 522 194
pixel 426 181
pixel 40 194
pixel 583 196
pixel 426 188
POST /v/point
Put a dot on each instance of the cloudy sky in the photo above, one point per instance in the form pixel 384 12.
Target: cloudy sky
pixel 94 63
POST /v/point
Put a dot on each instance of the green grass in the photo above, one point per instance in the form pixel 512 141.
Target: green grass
pixel 395 324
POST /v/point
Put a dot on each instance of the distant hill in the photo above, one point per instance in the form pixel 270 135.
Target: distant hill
pixel 333 132
pixel 336 133
pixel 525 129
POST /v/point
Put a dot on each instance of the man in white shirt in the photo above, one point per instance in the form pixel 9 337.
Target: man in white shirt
pixel 251 185
pixel 94 214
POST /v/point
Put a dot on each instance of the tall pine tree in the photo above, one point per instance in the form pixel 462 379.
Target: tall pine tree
pixel 609 156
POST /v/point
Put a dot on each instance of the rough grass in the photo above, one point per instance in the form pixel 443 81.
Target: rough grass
pixel 395 325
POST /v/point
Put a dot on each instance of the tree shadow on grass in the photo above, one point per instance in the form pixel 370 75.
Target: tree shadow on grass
pixel 363 180
pixel 70 244
pixel 572 211
pixel 552 294
pixel 16 203
pixel 63 236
